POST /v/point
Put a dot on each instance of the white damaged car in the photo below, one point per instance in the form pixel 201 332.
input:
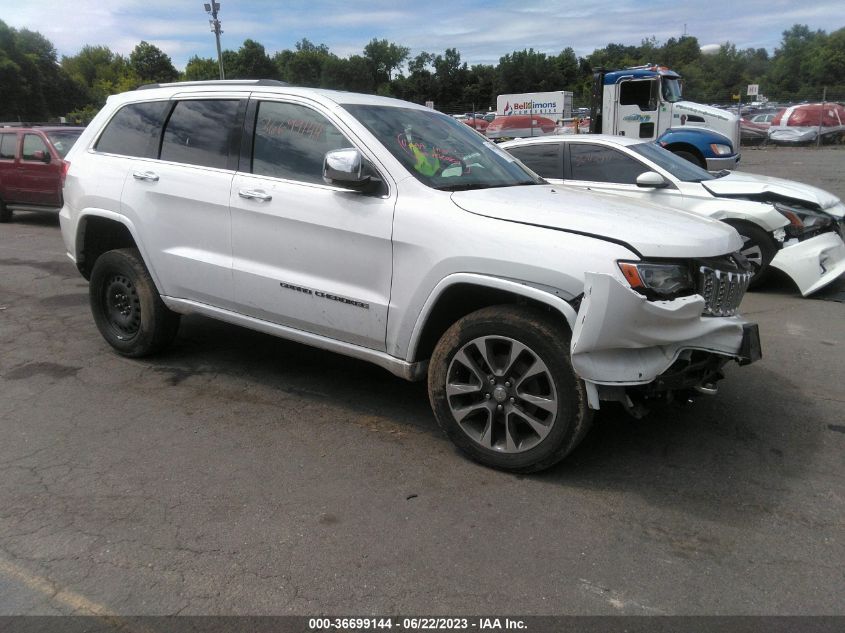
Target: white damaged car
pixel 394 234
pixel 795 228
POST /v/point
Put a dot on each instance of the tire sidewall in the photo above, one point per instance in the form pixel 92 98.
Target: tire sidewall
pixel 550 343
pixel 759 237
pixel 128 263
pixel 690 157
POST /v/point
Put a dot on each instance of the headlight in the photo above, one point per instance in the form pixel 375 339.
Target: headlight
pixel 658 280
pixel 720 150
pixel 801 220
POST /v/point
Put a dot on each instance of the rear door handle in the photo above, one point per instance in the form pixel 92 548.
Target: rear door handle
pixel 149 176
pixel 255 194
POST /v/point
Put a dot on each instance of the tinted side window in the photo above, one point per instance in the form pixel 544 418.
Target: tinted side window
pixel 135 130
pixel 199 132
pixel 33 143
pixel 603 164
pixel 544 158
pixel 291 142
pixel 7 146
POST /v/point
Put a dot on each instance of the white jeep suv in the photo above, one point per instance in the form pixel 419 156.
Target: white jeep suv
pixel 395 234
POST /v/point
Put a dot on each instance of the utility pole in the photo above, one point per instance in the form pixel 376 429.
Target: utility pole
pixel 821 117
pixel 212 8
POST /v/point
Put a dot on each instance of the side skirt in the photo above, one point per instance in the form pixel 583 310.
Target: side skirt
pixel 403 369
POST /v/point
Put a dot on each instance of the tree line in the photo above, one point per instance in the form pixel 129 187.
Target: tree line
pixel 38 86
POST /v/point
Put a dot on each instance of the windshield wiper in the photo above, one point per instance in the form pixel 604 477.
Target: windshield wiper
pixel 466 186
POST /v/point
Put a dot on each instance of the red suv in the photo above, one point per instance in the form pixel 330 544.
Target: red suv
pixel 32 168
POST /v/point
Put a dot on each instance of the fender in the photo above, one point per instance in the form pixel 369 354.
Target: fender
pixel 81 222
pixel 521 288
pixel 700 138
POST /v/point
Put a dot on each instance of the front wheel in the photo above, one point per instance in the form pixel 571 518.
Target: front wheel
pixel 689 156
pixel 126 305
pixel 759 248
pixel 5 213
pixel 503 389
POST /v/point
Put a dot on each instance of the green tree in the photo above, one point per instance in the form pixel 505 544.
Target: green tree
pixel 305 65
pixel 385 57
pixel 201 69
pixel 251 62
pixel 151 65
pixel 792 66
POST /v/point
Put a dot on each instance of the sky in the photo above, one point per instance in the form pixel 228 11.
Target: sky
pixel 481 30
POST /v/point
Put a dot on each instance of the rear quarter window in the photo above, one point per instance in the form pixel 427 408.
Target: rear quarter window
pixel 135 130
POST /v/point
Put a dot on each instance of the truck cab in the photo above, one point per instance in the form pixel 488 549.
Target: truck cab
pixel 646 102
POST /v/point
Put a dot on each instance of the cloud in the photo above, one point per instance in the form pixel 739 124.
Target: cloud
pixel 482 31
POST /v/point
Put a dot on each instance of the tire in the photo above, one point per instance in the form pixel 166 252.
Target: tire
pixel 127 307
pixel 5 213
pixel 689 156
pixel 535 379
pixel 759 249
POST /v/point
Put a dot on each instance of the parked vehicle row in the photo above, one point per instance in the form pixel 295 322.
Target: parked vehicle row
pixel 395 234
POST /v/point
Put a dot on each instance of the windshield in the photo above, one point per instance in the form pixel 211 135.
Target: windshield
pixel 680 168
pixel 63 141
pixel 671 89
pixel 441 152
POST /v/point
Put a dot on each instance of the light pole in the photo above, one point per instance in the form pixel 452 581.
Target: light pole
pixel 212 8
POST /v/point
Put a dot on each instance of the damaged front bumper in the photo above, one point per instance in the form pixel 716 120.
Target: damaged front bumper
pixel 621 340
pixel 814 263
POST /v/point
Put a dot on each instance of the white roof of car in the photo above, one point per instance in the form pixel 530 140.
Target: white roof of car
pixel 608 139
pixel 257 87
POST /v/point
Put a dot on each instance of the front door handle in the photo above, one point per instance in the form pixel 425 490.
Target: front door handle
pixel 149 176
pixel 255 194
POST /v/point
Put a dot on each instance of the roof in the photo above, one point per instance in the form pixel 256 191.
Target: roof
pixel 257 87
pixel 638 73
pixel 607 139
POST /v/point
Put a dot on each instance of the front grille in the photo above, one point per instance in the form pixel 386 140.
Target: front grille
pixel 722 289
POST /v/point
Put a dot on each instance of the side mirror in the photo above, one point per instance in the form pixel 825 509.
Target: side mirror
pixel 651 179
pixel 41 155
pixel 347 168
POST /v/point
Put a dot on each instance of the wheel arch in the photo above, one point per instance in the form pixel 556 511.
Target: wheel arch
pixel 99 231
pixel 687 147
pixel 462 293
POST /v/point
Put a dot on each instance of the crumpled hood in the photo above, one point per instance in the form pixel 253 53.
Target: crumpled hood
pixel 739 183
pixel 652 230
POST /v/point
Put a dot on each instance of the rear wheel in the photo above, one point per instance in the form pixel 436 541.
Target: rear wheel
pixel 759 248
pixel 126 305
pixel 502 387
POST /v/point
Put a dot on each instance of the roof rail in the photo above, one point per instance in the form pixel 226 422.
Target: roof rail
pixel 217 82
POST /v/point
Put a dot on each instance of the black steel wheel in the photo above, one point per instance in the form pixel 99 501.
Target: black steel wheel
pixel 127 307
